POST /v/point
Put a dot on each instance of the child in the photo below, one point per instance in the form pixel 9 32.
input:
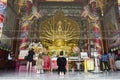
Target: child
pixel 39 64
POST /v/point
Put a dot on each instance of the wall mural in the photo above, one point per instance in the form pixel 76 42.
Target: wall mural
pixel 26 22
pixel 93 19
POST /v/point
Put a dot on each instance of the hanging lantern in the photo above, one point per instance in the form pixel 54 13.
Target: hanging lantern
pixel 111 50
pixel 114 49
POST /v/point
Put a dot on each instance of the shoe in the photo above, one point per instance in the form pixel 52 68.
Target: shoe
pixel 38 72
pixel 62 73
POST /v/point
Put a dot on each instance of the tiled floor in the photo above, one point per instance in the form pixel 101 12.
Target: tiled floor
pixel 10 75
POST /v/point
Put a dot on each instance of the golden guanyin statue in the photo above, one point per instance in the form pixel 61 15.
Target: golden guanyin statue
pixel 59 33
pixel 59 42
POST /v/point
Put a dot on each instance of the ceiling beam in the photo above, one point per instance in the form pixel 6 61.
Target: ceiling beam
pixel 60 0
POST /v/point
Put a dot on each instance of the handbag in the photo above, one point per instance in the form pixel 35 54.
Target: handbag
pixel 26 57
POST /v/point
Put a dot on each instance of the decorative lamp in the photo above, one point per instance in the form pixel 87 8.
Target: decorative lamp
pixel 111 49
pixel 116 48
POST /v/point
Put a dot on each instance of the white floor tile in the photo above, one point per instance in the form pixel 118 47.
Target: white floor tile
pixel 54 76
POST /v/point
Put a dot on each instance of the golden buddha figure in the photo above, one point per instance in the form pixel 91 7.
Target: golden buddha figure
pixel 59 33
pixel 60 28
pixel 59 41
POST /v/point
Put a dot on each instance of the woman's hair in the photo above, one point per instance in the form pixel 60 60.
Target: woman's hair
pixel 40 56
pixel 31 49
pixel 105 53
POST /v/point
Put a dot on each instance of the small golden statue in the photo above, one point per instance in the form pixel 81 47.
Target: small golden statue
pixel 38 48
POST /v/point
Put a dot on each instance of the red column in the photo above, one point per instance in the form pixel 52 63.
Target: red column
pixel 97 38
pixel 23 36
pixel 25 26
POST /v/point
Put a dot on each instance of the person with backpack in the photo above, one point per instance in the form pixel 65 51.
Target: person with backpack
pixel 105 61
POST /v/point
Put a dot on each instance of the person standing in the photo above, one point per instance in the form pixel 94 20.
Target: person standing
pixel 39 64
pixel 112 61
pixel 105 60
pixel 29 59
pixel 61 63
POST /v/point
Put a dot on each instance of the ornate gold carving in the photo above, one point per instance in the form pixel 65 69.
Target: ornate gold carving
pixel 61 0
pixel 100 4
pixel 59 32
